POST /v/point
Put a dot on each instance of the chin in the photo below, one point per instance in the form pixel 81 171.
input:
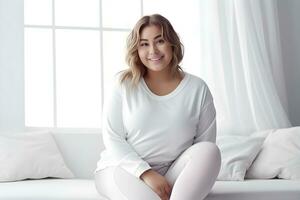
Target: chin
pixel 156 69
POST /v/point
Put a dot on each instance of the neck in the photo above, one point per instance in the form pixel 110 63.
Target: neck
pixel 161 76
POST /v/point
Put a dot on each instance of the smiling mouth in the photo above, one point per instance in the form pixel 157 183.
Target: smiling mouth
pixel 155 58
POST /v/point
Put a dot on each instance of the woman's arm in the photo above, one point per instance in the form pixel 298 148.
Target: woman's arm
pixel 114 136
pixel 122 153
pixel 207 127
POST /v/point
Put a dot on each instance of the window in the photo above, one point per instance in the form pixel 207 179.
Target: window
pixel 73 48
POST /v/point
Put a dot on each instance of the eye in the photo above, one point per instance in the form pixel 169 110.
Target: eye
pixel 161 41
pixel 144 44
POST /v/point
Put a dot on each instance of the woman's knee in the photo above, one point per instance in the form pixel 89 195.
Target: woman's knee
pixel 204 146
pixel 208 150
pixel 101 178
pixel 197 156
pixel 116 183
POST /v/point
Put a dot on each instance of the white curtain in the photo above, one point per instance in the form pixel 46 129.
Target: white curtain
pixel 241 62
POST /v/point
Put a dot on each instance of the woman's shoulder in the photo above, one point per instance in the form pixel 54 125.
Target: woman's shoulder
pixel 120 84
pixel 200 88
pixel 196 81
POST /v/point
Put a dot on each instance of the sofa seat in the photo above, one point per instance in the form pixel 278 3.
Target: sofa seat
pixel 49 189
pixel 84 189
pixel 81 153
pixel 271 189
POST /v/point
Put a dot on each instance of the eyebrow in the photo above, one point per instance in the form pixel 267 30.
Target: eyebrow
pixel 158 36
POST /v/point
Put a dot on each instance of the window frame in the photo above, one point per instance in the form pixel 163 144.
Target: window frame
pixel 53 27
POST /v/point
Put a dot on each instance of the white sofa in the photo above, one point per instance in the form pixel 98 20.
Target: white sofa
pixel 82 151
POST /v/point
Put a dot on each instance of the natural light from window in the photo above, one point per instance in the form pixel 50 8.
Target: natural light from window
pixel 74 48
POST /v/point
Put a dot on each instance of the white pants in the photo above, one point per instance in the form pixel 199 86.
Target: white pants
pixel 191 176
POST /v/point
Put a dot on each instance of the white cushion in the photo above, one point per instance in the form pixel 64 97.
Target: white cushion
pixel 279 156
pixel 237 154
pixel 81 151
pixel 31 155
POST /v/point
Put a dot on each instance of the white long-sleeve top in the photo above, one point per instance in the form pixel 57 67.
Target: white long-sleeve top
pixel 142 130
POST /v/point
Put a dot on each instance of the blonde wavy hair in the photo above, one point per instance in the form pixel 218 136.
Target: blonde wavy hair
pixel 136 68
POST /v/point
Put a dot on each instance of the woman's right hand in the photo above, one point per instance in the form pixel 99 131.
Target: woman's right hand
pixel 157 183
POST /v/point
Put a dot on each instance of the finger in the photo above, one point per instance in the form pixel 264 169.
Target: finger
pixel 164 194
pixel 161 194
pixel 168 189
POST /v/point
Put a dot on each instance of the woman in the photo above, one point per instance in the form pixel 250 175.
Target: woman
pixel 160 124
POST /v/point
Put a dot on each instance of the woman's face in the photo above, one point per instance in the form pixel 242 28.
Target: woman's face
pixel 154 52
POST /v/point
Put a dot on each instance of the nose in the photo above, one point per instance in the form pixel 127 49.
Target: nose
pixel 153 49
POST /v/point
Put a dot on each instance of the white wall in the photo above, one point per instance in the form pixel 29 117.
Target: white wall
pixel 11 65
pixel 289 26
